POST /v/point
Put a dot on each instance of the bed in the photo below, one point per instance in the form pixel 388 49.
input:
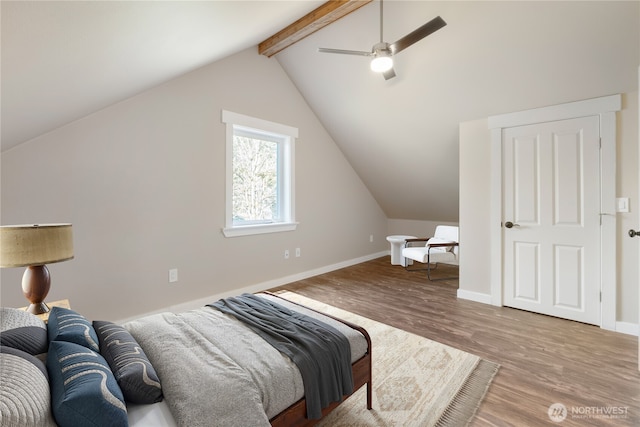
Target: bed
pixel 201 367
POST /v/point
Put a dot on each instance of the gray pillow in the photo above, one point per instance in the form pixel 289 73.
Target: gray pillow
pixel 23 331
pixel 135 375
pixel 26 400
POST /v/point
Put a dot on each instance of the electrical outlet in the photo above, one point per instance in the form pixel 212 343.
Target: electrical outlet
pixel 297 252
pixel 286 254
pixel 173 275
pixel 371 238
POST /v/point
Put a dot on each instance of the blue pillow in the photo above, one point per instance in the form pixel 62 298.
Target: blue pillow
pixel 84 392
pixel 131 367
pixel 67 325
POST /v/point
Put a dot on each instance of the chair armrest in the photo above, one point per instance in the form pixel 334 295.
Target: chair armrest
pixel 442 245
pixel 416 240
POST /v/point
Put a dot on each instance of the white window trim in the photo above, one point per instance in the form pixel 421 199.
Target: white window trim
pixel 289 223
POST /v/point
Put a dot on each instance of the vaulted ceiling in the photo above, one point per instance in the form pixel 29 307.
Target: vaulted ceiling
pixel 64 60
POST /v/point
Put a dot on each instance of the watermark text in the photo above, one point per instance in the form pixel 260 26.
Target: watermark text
pixel 558 412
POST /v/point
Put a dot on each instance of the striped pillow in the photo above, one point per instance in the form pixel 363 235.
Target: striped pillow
pixel 131 367
pixel 67 325
pixel 84 392
pixel 23 331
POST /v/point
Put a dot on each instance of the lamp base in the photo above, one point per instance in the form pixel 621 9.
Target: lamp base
pixel 36 282
pixel 39 308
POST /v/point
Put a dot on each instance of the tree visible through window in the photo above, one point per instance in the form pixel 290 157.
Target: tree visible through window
pixel 255 180
pixel 260 176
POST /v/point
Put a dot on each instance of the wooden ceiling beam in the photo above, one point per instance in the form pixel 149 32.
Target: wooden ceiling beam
pixel 324 15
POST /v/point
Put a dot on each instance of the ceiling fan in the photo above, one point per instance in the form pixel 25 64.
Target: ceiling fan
pixel 383 52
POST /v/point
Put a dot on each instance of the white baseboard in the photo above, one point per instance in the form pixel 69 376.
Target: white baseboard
pixel 628 328
pixel 621 327
pixel 190 305
pixel 474 296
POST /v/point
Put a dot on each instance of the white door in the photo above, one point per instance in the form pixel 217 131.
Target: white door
pixel 551 218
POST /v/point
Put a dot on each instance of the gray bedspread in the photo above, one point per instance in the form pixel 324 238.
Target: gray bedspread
pixel 215 371
pixel 321 353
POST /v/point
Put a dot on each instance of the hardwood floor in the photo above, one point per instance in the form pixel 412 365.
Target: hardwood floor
pixel 544 360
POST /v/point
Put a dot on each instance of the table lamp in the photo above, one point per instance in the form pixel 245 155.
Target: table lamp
pixel 33 246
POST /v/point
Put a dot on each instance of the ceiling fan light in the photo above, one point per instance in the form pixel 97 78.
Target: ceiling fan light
pixel 382 63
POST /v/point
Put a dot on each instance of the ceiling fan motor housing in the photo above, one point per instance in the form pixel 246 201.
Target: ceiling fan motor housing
pixel 381 61
pixel 381 49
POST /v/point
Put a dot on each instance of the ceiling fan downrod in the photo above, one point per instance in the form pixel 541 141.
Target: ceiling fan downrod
pixel 382 56
pixel 381 38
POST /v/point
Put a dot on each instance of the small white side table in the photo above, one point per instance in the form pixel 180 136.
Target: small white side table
pixel 397 243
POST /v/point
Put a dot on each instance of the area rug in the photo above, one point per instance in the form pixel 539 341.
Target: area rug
pixel 417 382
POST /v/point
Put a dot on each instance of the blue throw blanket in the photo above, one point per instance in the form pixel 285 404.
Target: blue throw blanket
pixel 321 353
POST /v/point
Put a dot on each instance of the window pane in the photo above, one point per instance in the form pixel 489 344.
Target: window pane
pixel 260 193
pixel 255 180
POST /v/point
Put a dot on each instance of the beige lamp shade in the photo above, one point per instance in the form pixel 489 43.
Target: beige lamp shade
pixel 27 245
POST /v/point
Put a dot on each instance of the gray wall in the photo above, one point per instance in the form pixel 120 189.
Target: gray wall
pixel 142 181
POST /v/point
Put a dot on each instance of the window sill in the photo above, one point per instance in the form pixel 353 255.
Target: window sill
pixel 247 230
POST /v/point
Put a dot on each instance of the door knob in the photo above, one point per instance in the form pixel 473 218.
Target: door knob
pixel 633 233
pixel 509 224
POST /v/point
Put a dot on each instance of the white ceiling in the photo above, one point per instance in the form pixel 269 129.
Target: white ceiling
pixel 401 135
pixel 64 60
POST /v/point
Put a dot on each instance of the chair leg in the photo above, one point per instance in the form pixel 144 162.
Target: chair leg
pixel 428 269
pixel 406 267
pixel 439 279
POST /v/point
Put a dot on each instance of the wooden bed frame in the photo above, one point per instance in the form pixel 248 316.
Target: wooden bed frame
pixel 296 414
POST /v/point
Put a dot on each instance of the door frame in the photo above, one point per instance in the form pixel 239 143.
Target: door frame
pixel 605 108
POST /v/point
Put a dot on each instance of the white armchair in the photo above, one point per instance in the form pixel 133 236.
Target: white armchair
pixel 441 248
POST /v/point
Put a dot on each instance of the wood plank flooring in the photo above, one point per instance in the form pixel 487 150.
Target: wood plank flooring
pixel 544 360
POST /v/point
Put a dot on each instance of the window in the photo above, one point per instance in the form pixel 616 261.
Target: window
pixel 260 166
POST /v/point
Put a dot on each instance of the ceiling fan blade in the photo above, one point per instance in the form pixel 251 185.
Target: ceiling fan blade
pixel 416 35
pixel 389 74
pixel 345 52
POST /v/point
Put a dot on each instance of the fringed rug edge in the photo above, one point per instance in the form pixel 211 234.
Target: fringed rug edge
pixel 467 400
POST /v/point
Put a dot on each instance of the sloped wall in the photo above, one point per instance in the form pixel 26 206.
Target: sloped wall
pixel 142 182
